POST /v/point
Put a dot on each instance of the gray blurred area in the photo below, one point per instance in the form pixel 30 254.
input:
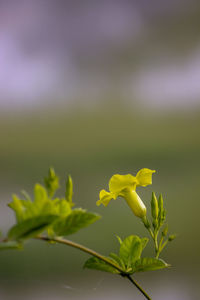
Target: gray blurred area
pixel 95 88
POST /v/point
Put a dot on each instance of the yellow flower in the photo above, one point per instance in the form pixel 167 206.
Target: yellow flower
pixel 125 186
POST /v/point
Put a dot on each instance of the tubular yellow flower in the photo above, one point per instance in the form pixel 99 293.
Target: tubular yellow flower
pixel 125 186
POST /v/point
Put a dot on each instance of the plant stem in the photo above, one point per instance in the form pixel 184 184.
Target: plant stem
pixel 96 254
pixel 82 248
pixel 163 245
pixel 156 242
pixel 151 233
pixel 159 247
pixel 138 287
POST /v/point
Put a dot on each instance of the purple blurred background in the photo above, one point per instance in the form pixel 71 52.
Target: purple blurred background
pixel 73 52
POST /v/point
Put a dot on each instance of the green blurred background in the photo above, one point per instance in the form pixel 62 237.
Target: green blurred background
pixel 134 104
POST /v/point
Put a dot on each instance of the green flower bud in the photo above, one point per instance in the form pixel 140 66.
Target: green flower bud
pixel 160 205
pixel 165 231
pixel 51 182
pixel 154 206
pixel 155 223
pixel 171 237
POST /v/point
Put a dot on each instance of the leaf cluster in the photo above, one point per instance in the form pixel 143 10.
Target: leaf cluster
pixel 128 259
pixel 46 212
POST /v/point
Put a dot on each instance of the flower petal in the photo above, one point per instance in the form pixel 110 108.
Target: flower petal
pixel 104 198
pixel 144 177
pixel 119 182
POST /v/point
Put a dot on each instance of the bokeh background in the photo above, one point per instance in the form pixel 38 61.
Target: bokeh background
pixel 94 88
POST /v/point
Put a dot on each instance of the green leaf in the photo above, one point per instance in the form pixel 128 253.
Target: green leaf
pixel 98 264
pixel 26 195
pixel 51 182
pixel 118 260
pixel 63 208
pixel 69 190
pixel 59 207
pixel 76 220
pixel 119 239
pixel 10 245
pixel 30 227
pixel 30 209
pixel 131 249
pixel 40 194
pixel 18 208
pixel 144 242
pixel 149 264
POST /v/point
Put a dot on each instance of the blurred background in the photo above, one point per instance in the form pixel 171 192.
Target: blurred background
pixel 94 88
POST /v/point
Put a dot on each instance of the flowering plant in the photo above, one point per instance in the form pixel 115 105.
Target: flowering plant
pixel 51 219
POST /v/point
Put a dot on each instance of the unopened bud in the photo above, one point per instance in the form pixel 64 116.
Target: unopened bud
pixel 171 237
pixel 160 205
pixel 165 231
pixel 154 206
pixel 155 223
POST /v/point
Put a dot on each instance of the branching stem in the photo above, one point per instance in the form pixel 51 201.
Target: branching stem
pixel 95 254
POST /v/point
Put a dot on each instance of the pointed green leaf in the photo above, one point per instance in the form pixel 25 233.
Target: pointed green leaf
pixel 69 190
pixel 10 245
pixel 98 264
pixel 130 250
pixel 30 227
pixel 118 260
pixel 59 207
pixel 63 208
pixel 40 194
pixel 149 264
pixel 30 209
pixel 144 242
pixel 26 195
pixel 51 182
pixel 77 219
pixel 17 206
pixel 119 239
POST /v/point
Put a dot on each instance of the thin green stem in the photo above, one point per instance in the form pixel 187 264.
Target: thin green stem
pixel 82 248
pixel 96 254
pixel 138 287
pixel 159 247
pixel 156 241
pixel 163 245
pixel 151 233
